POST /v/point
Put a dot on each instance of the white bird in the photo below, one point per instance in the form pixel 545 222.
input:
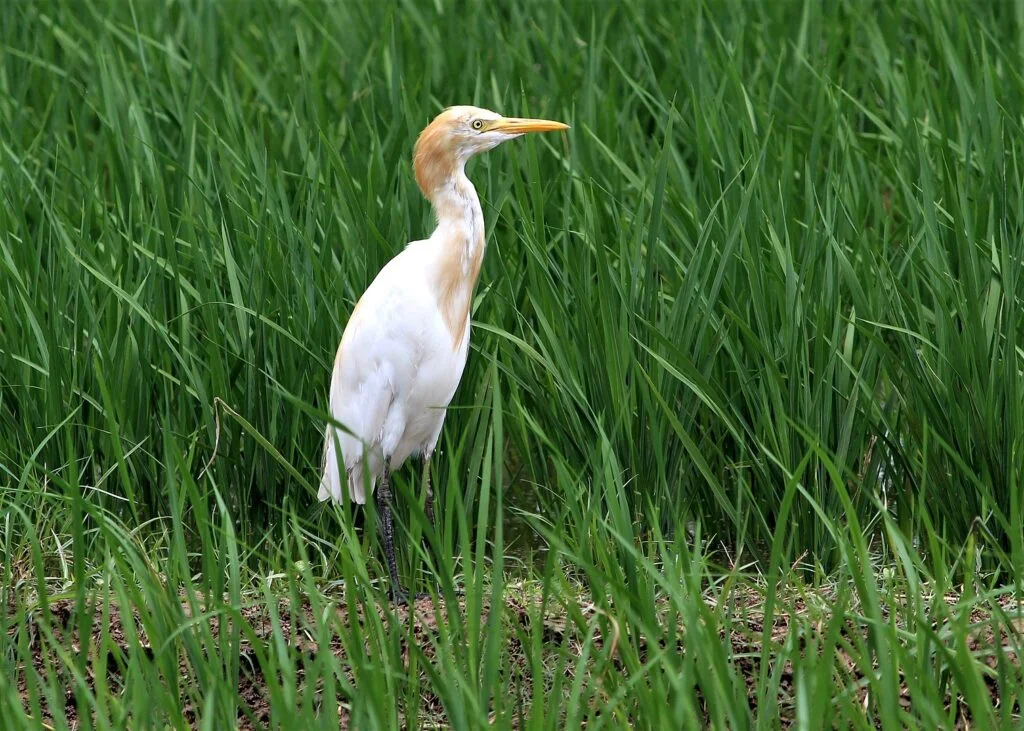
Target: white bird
pixel 404 348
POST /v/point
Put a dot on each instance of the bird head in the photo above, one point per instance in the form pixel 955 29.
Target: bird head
pixel 459 133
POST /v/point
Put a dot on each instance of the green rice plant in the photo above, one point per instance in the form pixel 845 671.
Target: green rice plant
pixel 739 439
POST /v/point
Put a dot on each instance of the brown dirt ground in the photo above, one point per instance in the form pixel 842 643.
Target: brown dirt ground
pixel 747 637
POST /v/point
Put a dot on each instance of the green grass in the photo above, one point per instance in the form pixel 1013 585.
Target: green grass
pixel 741 437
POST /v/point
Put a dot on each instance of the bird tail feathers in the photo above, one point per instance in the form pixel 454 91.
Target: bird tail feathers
pixel 333 469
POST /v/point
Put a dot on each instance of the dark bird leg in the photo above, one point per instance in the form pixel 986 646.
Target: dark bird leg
pixel 429 506
pixel 429 501
pixel 398 595
pixel 428 496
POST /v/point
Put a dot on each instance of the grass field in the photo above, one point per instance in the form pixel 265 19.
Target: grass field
pixel 740 442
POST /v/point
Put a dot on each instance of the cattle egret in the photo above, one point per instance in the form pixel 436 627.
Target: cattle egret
pixel 405 345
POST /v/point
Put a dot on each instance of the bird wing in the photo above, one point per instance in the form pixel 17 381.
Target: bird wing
pixel 362 408
pixel 363 381
pixel 360 394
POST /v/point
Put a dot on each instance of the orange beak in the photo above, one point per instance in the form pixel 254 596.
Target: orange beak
pixel 516 125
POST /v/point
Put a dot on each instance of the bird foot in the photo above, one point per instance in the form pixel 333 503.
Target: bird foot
pixel 400 597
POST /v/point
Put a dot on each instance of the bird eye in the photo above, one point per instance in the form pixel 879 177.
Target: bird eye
pixel 478 124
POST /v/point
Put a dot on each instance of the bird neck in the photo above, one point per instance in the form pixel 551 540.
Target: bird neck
pixel 457 208
pixel 459 240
